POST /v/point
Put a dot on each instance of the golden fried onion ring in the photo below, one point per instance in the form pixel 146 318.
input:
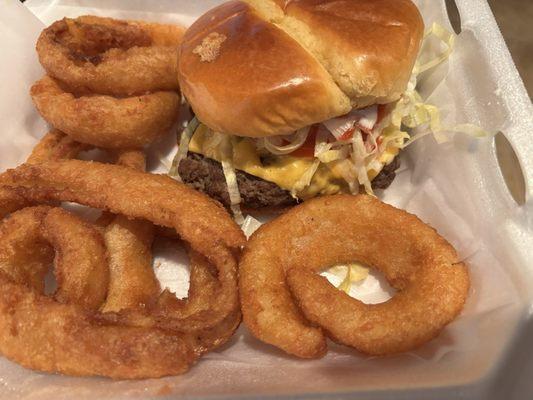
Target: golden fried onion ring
pixel 81 268
pixel 25 254
pixel 105 121
pixel 201 222
pixel 132 281
pixel 432 283
pixel 129 344
pixel 108 56
pixel 53 146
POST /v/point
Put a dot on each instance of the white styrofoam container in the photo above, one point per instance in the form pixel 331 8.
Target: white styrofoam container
pixel 457 187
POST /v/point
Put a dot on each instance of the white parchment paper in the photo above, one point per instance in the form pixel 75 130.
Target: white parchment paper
pixel 456 187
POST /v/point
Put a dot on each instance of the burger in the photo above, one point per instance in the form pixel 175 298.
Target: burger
pixel 295 98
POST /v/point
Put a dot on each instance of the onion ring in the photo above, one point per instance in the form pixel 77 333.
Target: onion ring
pixel 204 308
pixel 40 333
pixel 432 283
pixel 133 159
pixel 132 281
pixel 127 344
pixel 199 308
pixel 53 146
pixel 200 221
pixel 81 267
pixel 108 56
pixel 27 238
pixel 104 121
pixel 25 255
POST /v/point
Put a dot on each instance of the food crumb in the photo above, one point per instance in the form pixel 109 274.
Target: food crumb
pixel 209 49
pixel 164 390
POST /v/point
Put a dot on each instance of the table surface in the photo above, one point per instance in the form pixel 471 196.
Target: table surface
pixel 515 18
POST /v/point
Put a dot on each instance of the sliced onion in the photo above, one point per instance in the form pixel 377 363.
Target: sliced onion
pixel 339 126
pixel 385 121
pixel 366 118
pixel 296 140
pixel 371 145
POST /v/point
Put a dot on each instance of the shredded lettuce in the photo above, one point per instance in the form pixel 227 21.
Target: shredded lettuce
pixel 233 190
pixel 332 155
pixel 359 156
pixel 325 152
pixel 226 148
pixel 413 112
pixel 365 153
pixel 345 169
pixel 250 225
pixel 393 137
pixel 446 37
pixel 305 179
pixel 183 148
pixel 350 274
pixel 221 145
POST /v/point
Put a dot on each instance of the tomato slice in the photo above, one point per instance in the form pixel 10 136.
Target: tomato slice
pixel 382 112
pixel 348 134
pixel 307 149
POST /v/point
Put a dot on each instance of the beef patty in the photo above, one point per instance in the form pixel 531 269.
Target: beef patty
pixel 206 175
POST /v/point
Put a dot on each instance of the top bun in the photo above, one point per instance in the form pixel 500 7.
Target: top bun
pixel 269 67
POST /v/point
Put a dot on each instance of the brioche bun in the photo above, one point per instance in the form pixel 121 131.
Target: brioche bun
pixel 260 67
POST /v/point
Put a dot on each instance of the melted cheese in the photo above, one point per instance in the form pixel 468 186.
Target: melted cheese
pixel 284 171
pixel 386 158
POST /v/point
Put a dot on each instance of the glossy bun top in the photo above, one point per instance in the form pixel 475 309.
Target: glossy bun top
pixel 262 67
